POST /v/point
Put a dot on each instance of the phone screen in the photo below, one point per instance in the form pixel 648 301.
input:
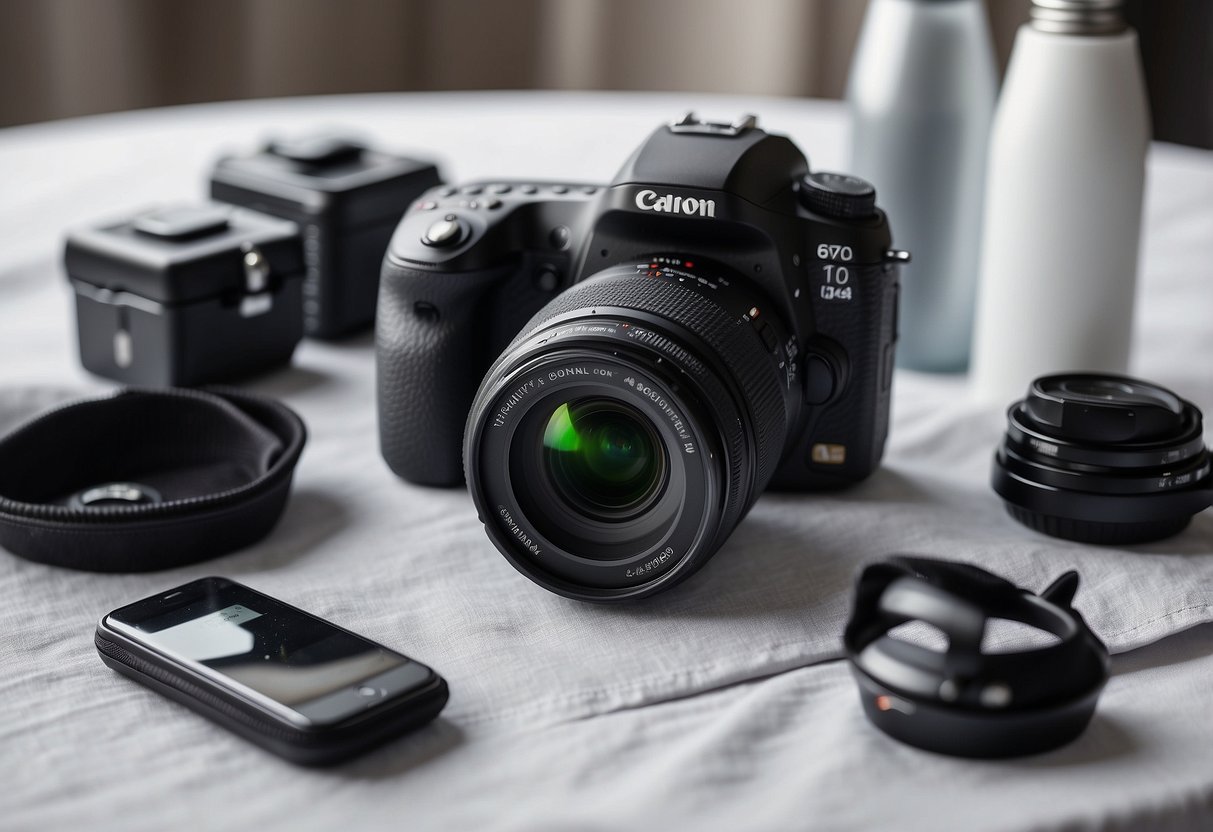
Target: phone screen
pixel 276 654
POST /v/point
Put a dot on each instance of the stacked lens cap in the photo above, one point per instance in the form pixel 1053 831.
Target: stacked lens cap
pixel 1103 459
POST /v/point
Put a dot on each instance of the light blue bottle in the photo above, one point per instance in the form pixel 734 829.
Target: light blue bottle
pixel 921 95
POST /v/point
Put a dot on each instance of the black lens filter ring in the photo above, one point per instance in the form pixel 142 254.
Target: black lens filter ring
pixel 962 701
pixel 1103 459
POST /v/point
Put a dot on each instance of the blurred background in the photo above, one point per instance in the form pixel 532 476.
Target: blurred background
pixel 63 58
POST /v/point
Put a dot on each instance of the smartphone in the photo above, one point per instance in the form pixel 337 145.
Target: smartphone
pixel 292 683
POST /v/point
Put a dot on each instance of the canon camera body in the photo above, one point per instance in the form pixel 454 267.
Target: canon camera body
pixel 622 369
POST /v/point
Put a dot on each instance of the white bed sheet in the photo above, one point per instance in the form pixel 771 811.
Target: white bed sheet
pixel 711 706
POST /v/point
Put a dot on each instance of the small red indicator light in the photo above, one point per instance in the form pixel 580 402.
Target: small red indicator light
pixel 690 265
pixel 883 703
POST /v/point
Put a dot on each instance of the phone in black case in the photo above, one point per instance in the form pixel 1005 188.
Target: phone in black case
pixel 292 683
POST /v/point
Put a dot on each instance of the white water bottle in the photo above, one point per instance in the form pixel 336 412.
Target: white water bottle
pixel 1063 204
pixel 921 96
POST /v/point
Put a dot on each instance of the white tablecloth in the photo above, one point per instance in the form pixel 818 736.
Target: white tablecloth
pixel 714 706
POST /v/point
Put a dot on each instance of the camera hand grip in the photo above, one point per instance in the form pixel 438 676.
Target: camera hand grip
pixel 431 334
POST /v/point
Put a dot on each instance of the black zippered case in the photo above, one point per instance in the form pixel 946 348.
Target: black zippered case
pixel 209 470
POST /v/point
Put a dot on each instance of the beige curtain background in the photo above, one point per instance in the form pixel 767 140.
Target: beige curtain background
pixel 61 58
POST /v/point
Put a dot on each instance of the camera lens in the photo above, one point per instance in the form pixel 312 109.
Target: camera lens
pixel 603 458
pixel 622 436
pixel 1103 459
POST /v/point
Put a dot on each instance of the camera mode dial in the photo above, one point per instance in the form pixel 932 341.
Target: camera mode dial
pixel 837 195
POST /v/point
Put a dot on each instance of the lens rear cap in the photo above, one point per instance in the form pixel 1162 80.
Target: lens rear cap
pixel 1103 459
pixel 1104 408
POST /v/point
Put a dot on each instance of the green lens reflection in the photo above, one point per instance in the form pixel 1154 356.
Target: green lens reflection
pixel 603 457
pixel 560 435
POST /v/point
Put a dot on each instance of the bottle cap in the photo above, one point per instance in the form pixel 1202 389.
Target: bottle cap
pixel 1078 17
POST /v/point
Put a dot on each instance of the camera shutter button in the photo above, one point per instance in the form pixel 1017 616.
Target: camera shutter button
pixel 444 233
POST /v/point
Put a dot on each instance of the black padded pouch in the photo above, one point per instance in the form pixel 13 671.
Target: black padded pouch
pixel 147 479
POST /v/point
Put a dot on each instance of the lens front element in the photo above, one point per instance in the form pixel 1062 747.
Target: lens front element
pixel 603 458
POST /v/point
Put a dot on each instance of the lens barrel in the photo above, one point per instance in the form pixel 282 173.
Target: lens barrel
pixel 623 435
pixel 1103 459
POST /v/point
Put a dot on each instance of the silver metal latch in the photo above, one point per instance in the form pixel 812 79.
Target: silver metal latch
pixel 124 349
pixel 124 345
pixel 258 301
pixel 256 270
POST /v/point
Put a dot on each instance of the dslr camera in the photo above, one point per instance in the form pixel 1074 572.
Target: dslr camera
pixel 636 362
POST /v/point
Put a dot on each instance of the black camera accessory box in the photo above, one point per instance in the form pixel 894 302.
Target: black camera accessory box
pixel 307 747
pixel 147 479
pixel 186 295
pixel 347 198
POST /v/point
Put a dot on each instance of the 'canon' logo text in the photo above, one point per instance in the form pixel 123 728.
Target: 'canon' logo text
pixel 670 204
